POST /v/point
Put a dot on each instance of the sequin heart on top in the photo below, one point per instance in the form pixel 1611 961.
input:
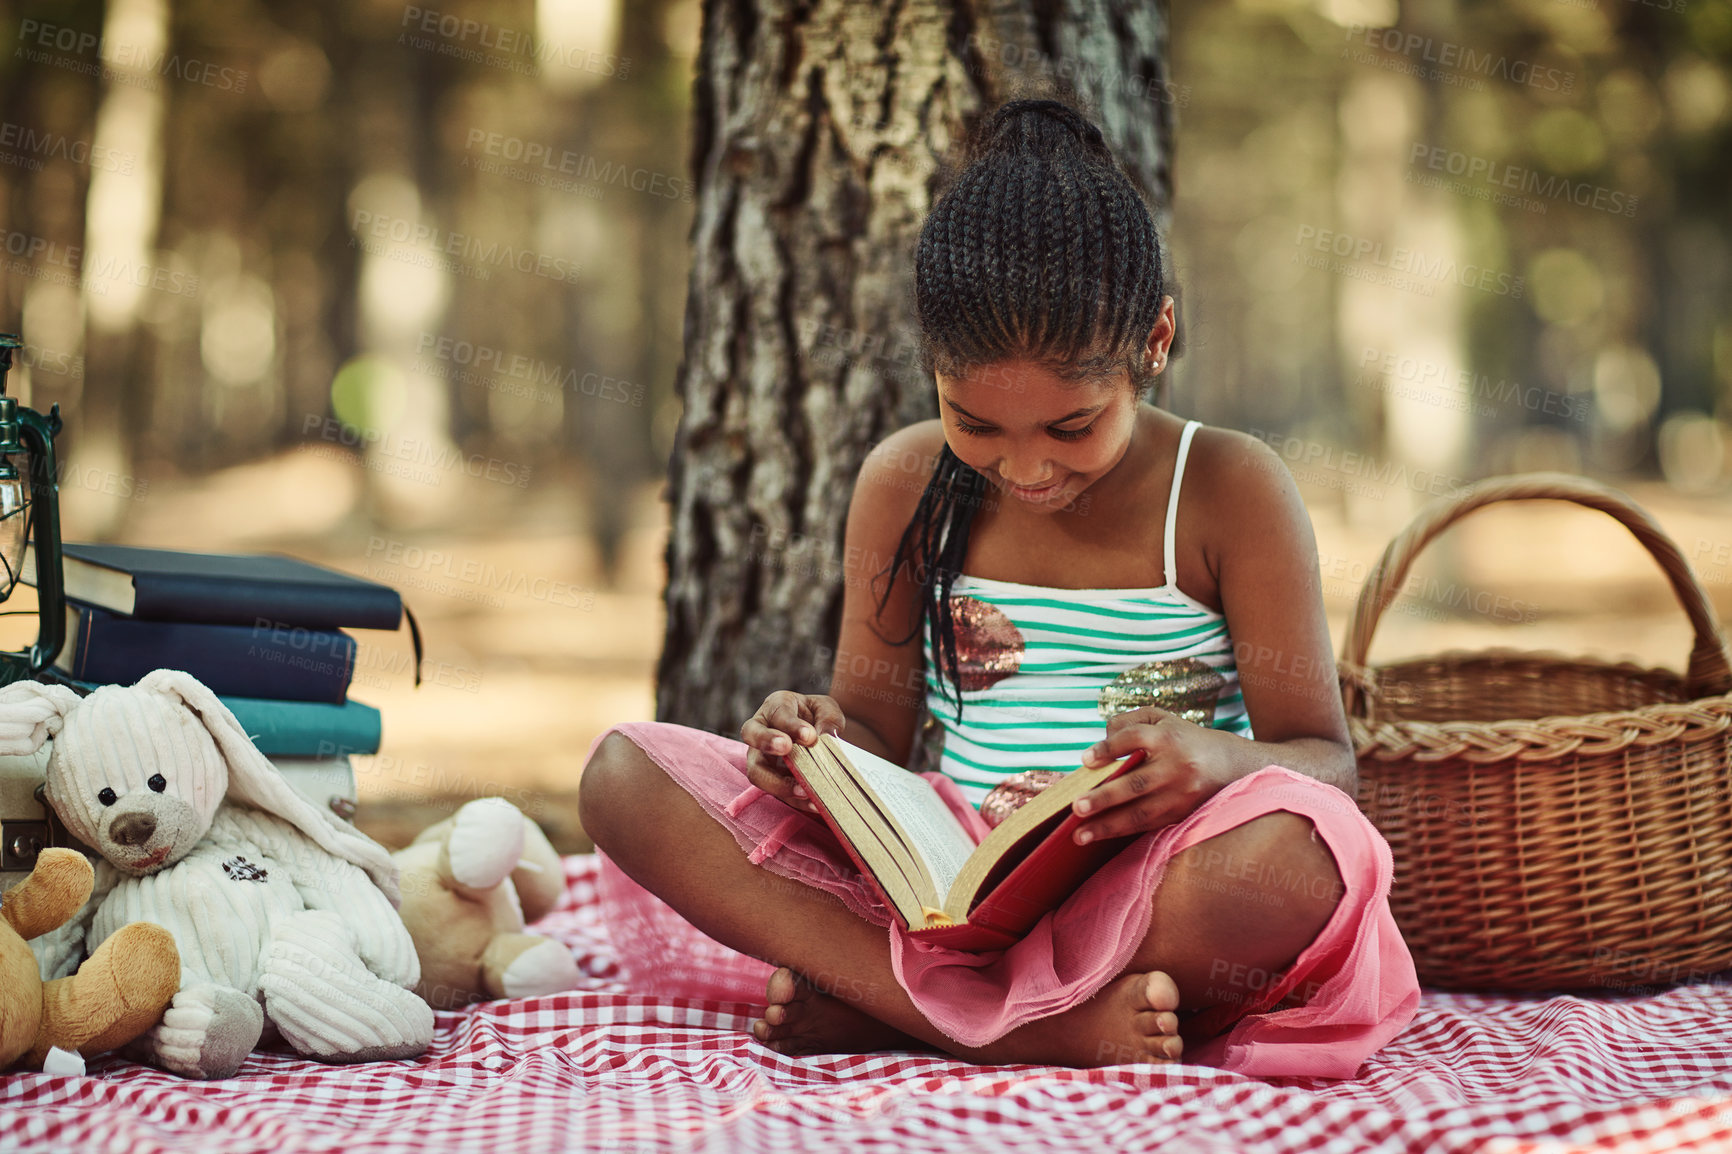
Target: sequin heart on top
pixel 1008 795
pixel 1185 686
pixel 989 646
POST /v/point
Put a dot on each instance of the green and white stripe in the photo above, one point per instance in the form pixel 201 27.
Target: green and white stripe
pixel 1077 641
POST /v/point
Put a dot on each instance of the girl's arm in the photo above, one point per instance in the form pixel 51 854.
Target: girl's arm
pixel 878 676
pixel 1256 541
pixel 876 685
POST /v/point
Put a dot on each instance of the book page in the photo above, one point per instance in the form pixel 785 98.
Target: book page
pixel 932 830
pixel 862 826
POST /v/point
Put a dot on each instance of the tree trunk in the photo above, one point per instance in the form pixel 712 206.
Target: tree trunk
pixel 819 130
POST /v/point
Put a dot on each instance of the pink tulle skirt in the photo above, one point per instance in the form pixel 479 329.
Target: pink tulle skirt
pixel 1361 980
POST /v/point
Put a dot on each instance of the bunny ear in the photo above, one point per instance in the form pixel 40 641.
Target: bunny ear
pixel 254 781
pixel 31 713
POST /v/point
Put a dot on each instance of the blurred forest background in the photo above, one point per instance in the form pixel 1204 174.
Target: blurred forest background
pixel 399 288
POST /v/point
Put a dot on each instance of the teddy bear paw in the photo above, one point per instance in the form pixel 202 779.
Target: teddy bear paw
pixel 206 1032
pixel 486 842
pixel 544 968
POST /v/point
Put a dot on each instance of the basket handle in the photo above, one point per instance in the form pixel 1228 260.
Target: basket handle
pixel 1709 672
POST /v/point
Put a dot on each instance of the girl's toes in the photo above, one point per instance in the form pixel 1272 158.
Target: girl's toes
pixel 1157 1023
pixel 782 988
pixel 1158 1034
pixel 1160 991
pixel 783 992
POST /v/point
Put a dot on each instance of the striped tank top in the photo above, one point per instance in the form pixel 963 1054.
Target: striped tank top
pixel 1042 669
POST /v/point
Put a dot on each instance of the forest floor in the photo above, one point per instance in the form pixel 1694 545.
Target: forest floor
pixel 532 650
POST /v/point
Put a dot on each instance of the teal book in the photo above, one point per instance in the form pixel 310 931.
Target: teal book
pixel 292 728
pixel 307 728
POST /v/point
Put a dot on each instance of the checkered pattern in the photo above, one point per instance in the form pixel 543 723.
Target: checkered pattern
pixel 601 1069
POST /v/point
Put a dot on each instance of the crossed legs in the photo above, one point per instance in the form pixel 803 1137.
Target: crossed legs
pixel 1230 913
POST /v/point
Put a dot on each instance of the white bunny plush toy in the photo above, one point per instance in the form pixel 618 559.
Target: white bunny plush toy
pixel 283 915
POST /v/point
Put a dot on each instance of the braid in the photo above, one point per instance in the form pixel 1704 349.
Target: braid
pixel 1041 250
pixel 1030 252
pixel 1092 307
pixel 1055 262
pixel 1116 239
pixel 934 545
pixel 1075 309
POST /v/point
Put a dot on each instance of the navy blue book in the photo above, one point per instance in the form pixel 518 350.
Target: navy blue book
pixel 233 660
pixel 222 588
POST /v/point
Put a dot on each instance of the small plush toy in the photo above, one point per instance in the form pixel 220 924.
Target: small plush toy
pixel 116 995
pixel 467 921
pixel 282 913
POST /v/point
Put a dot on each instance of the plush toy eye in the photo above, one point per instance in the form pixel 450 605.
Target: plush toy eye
pixel 107 797
pixel 157 782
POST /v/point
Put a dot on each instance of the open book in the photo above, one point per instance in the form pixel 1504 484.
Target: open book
pixel 923 861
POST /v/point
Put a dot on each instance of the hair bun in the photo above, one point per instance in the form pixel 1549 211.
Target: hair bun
pixel 1040 128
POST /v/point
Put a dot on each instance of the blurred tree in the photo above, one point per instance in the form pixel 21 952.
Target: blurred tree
pixel 49 123
pixel 627 324
pixel 820 135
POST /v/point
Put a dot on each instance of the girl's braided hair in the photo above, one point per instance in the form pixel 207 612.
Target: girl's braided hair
pixel 1042 250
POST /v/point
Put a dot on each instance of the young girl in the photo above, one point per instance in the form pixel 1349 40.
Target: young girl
pixel 1068 575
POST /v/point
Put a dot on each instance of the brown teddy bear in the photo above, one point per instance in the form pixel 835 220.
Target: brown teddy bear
pixel 469 885
pixel 117 994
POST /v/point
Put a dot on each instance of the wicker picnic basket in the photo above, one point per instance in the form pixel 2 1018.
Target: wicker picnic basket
pixel 1557 822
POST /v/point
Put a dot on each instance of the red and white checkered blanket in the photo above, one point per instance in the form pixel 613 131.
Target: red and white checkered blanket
pixel 602 1069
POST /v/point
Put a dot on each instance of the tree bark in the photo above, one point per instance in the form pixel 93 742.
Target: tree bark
pixel 821 132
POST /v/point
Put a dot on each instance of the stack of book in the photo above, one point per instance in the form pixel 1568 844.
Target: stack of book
pixel 264 632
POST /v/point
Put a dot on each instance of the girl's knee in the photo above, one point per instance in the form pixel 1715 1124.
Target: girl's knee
pixel 1236 909
pixel 1277 863
pixel 1305 886
pixel 614 787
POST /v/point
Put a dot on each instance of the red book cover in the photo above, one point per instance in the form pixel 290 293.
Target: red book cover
pixel 1035 876
pixel 1044 869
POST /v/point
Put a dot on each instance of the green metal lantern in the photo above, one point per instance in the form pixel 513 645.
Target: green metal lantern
pixel 30 517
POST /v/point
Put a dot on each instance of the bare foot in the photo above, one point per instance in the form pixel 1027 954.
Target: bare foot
pixel 802 1020
pixel 1132 1020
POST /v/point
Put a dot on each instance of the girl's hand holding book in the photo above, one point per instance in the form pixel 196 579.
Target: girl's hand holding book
pixel 1186 764
pixel 784 718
